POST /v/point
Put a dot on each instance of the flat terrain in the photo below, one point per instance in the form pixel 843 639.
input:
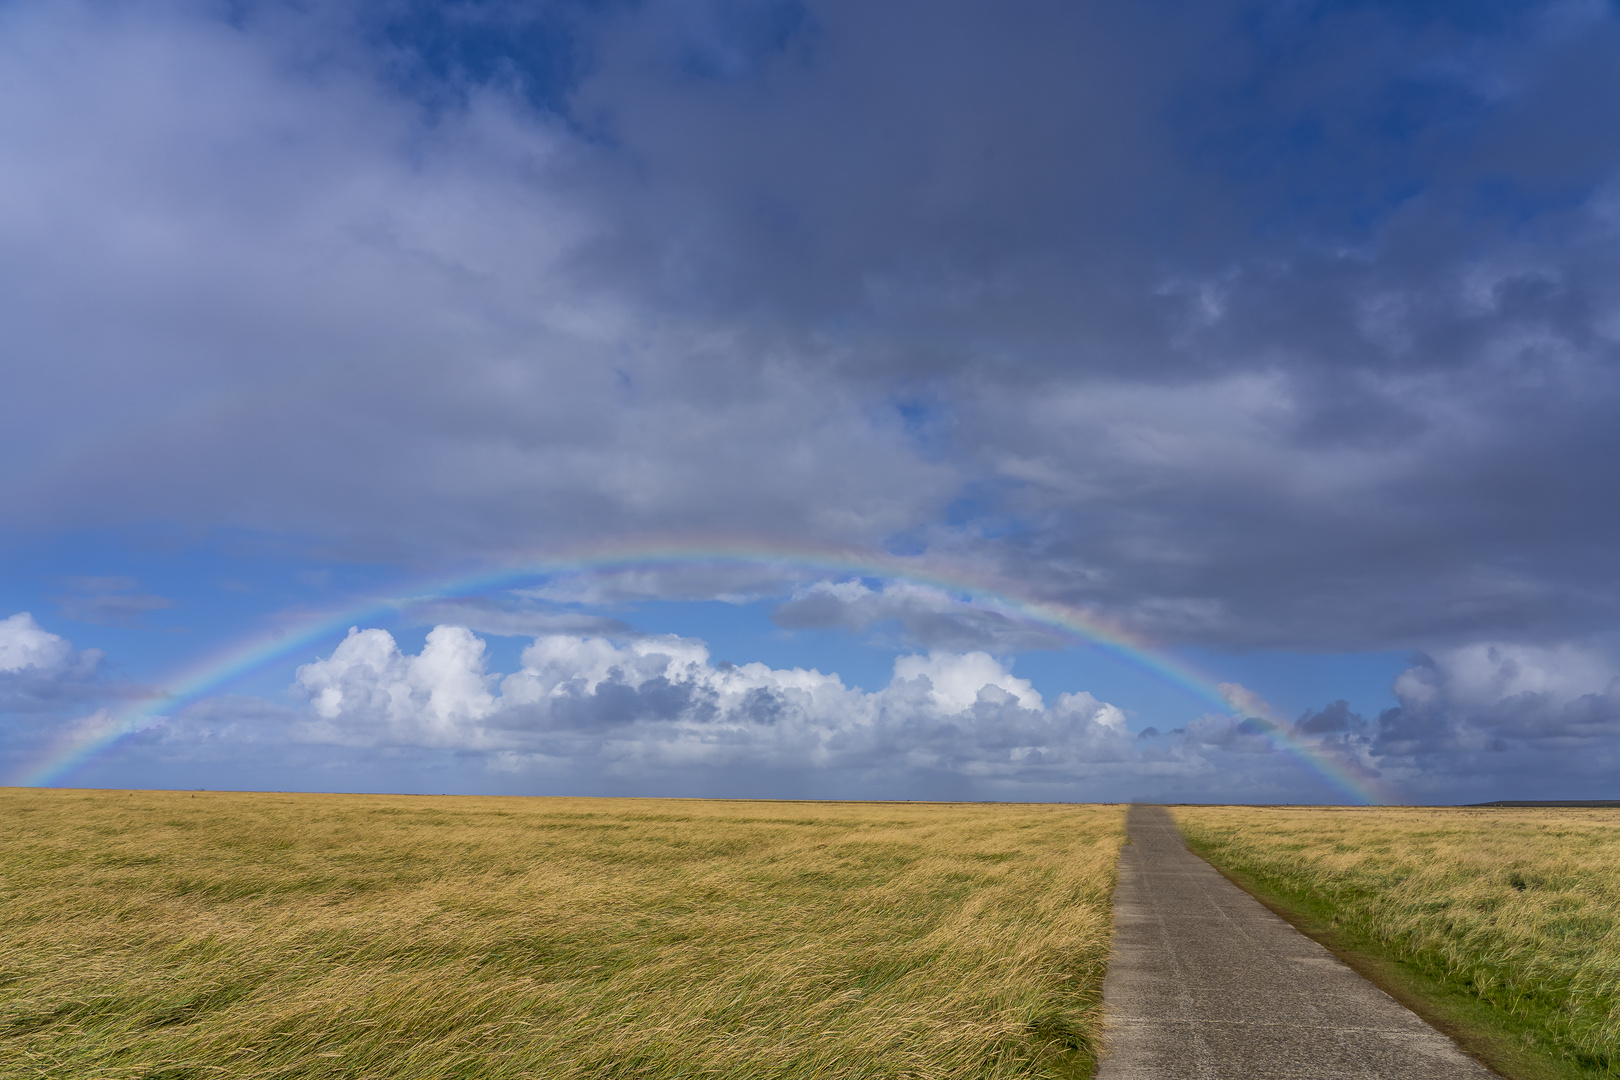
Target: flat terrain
pixel 179 935
pixel 1517 911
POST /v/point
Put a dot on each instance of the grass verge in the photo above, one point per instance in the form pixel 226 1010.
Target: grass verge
pixel 1501 927
pixel 177 936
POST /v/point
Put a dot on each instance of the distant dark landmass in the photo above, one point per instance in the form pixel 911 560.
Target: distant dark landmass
pixel 1550 802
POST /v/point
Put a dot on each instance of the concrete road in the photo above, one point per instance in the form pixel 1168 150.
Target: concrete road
pixel 1205 982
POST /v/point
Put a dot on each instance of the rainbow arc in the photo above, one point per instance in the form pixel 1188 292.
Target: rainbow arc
pixel 102 732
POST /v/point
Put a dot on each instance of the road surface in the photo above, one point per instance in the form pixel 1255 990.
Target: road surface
pixel 1206 984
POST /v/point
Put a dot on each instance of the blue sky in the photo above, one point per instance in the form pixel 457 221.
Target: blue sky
pixel 1272 346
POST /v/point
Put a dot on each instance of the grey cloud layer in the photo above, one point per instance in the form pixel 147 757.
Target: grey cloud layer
pixel 1280 326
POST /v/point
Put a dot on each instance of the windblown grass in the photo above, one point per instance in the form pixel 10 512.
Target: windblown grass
pixel 179 935
pixel 1518 908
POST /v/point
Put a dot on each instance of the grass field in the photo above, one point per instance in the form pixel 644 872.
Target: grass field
pixel 1518 910
pixel 178 935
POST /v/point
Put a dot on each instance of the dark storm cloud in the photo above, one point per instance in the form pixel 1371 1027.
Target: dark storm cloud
pixel 1212 317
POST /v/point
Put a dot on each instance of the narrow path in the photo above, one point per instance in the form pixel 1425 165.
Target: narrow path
pixel 1206 983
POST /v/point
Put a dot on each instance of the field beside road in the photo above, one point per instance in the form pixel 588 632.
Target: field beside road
pixel 1514 911
pixel 177 936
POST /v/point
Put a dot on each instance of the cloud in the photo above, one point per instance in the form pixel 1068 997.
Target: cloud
pixel 1244 701
pixel 659 703
pixel 956 683
pixel 110 601
pixel 413 270
pixel 488 616
pixel 747 581
pixel 1496 696
pixel 644 713
pixel 1069 297
pixel 42 678
pixel 83 583
pixel 1482 721
pixel 25 645
pixel 437 698
pixel 927 617
pixel 1262 327
pixel 1333 719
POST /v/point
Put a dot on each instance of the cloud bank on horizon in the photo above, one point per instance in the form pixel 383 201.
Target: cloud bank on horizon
pixel 655 713
pixel 1249 326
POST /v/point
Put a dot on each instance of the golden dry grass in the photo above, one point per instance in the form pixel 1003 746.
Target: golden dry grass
pixel 178 935
pixel 1519 907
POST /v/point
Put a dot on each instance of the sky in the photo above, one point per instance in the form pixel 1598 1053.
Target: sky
pixel 1183 401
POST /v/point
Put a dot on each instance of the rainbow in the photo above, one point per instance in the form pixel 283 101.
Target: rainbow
pixel 106 728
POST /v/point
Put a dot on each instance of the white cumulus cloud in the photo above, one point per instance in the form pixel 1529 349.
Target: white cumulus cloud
pixel 662 703
pixel 956 683
pixel 25 644
pixel 438 697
